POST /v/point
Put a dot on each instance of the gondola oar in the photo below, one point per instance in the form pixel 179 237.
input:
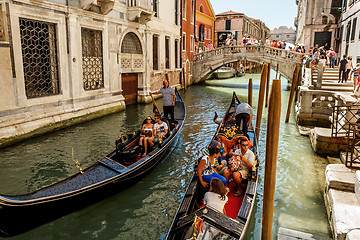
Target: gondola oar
pixel 155 108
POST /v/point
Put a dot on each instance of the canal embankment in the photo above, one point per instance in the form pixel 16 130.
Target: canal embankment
pixel 330 115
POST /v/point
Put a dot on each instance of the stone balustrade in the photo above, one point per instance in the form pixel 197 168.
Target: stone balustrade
pixel 207 62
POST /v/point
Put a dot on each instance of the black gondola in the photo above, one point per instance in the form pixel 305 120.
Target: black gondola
pixel 216 225
pixel 107 176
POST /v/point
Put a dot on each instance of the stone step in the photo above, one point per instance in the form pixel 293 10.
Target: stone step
pixel 343 210
pixel 338 176
pixel 337 89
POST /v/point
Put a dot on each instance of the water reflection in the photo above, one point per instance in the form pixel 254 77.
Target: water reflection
pixel 145 210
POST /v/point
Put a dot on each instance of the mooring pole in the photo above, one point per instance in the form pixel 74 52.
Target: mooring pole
pixel 250 90
pixel 292 90
pixel 298 83
pixel 267 85
pixel 260 101
pixel 272 141
pixel 277 70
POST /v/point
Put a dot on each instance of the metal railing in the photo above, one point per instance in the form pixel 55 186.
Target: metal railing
pixel 342 118
pixel 353 152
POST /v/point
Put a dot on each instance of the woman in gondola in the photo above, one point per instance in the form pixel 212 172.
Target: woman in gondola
pixel 146 136
pixel 216 197
pixel 206 170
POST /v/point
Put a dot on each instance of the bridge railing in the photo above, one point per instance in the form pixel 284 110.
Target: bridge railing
pixel 251 50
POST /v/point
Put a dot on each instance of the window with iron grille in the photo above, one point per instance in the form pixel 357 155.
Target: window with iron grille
pixel 176 53
pixel 131 44
pixel 39 53
pixel 92 59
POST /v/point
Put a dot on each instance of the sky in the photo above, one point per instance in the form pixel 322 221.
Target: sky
pixel 273 13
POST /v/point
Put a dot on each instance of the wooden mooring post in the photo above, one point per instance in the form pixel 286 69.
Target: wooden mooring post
pixel 272 141
pixel 267 85
pixel 292 90
pixel 298 83
pixel 250 91
pixel 260 101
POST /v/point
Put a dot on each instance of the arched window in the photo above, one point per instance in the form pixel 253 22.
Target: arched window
pixel 201 8
pixel 131 44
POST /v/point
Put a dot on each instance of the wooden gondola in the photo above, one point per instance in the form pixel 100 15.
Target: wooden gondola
pixel 107 176
pixel 216 225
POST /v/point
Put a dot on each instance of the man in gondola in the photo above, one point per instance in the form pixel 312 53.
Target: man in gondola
pixel 169 97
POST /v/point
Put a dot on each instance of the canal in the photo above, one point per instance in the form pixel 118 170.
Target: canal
pixel 145 210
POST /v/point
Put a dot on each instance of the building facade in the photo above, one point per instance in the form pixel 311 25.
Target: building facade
pixel 317 23
pixel 283 33
pixel 237 25
pixel 349 30
pixel 187 38
pixel 74 60
pixel 204 25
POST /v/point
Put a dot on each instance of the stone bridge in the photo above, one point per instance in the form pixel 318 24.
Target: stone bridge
pixel 207 62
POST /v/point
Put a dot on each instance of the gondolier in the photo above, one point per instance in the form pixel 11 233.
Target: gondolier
pixel 169 97
pixel 244 113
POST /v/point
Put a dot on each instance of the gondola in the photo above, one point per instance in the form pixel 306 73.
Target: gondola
pixel 109 175
pixel 194 221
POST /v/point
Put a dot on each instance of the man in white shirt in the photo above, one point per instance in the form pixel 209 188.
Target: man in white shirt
pixel 160 128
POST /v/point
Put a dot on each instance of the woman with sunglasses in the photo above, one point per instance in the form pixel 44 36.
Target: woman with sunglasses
pixel 146 136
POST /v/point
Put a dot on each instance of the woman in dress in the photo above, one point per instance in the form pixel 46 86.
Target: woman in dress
pixel 146 134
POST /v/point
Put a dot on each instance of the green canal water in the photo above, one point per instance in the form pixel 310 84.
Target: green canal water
pixel 145 209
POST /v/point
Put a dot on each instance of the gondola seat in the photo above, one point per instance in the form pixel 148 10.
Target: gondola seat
pixel 128 156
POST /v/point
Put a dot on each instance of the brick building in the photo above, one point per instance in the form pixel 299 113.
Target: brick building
pixel 204 24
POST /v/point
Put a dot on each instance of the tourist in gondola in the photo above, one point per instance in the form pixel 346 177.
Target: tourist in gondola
pixel 146 137
pixel 216 197
pixel 240 164
pixel 160 128
pixel 169 97
pixel 206 170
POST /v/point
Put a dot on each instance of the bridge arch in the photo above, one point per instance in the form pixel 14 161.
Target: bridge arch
pixel 207 62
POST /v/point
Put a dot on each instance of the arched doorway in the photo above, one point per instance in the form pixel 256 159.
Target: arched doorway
pixel 131 52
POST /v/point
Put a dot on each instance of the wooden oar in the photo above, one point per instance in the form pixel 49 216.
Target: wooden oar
pixel 154 103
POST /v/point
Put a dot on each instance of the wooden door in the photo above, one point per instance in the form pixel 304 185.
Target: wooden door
pixel 129 87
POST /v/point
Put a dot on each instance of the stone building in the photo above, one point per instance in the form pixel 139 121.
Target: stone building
pixel 349 31
pixel 204 24
pixel 237 25
pixel 283 33
pixel 64 61
pixel 317 23
pixel 187 39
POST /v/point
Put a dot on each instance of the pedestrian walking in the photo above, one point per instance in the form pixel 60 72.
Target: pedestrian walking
pixel 342 69
pixel 349 67
pixel 332 55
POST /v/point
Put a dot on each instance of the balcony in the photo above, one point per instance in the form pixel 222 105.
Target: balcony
pixel 105 5
pixel 139 11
